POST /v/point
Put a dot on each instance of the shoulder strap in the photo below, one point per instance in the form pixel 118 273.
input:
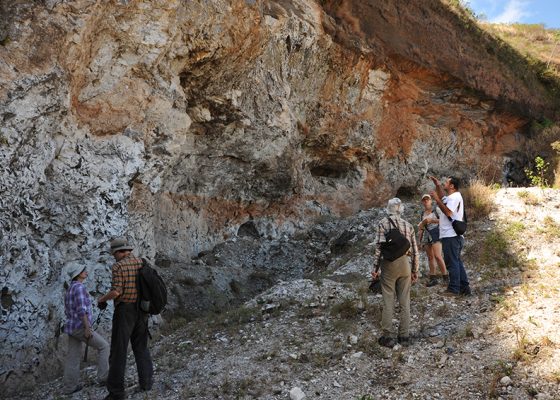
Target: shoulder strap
pixel 458 207
pixel 464 211
pixel 395 226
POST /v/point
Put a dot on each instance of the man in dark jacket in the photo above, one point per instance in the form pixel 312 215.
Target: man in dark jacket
pixel 129 323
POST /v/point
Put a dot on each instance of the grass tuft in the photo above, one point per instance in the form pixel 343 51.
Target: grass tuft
pixel 529 198
pixel 550 228
pixel 347 309
pixel 521 353
pixel 479 198
pixel 367 343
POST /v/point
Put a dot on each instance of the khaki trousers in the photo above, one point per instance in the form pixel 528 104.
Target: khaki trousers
pixel 71 378
pixel 395 278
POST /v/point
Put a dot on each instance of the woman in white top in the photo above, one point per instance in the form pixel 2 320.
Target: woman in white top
pixel 428 233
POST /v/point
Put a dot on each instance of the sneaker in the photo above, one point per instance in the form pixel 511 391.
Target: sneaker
pixel 386 341
pixel 449 293
pixel 403 341
pixel 466 291
pixel 432 282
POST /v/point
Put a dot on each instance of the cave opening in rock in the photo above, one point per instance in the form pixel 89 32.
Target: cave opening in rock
pixel 334 169
pixel 6 299
pixel 248 229
pixel 406 192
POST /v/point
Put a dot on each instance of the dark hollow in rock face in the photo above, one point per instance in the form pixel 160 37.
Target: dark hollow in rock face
pixel 407 192
pixel 513 172
pixel 6 299
pixel 330 170
pixel 342 243
pixel 248 229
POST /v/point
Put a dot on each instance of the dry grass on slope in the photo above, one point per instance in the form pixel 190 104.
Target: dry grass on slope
pixel 532 40
pixel 530 50
pixel 479 198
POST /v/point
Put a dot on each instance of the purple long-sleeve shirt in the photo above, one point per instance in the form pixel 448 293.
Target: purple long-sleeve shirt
pixel 77 303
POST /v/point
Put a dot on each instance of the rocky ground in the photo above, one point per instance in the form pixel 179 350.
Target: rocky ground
pixel 316 335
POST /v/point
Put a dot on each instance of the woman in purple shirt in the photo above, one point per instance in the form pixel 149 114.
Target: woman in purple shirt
pixel 77 307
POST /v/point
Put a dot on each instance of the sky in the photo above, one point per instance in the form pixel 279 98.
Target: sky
pixel 522 11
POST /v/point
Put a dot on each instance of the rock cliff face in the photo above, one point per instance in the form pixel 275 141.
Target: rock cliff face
pixel 179 123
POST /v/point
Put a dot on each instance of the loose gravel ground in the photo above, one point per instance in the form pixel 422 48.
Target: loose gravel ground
pixel 319 333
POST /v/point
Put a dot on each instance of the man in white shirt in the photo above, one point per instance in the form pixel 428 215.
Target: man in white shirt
pixel 452 206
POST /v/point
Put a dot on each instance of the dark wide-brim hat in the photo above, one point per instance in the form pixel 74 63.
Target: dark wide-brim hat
pixel 120 244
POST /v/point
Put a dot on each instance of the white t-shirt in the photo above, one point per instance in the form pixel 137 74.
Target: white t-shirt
pixel 455 203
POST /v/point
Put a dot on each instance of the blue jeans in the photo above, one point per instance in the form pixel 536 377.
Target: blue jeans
pixel 458 281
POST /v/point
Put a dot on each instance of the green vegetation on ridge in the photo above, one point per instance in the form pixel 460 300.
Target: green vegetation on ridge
pixel 531 51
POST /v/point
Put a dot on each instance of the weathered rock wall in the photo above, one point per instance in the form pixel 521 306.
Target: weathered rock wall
pixel 175 122
pixel 437 37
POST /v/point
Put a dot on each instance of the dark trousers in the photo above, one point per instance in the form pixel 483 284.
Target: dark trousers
pixel 458 281
pixel 129 323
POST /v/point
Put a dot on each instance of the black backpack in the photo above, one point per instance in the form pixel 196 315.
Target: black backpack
pixel 396 244
pixel 152 292
pixel 460 227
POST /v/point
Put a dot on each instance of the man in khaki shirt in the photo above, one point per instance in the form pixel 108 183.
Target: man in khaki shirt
pixel 396 276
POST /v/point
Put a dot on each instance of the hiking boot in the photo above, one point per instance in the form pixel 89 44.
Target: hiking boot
pixel 113 397
pixel 75 390
pixel 445 279
pixel 449 293
pixel 433 281
pixel 145 387
pixel 466 291
pixel 403 341
pixel 386 341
